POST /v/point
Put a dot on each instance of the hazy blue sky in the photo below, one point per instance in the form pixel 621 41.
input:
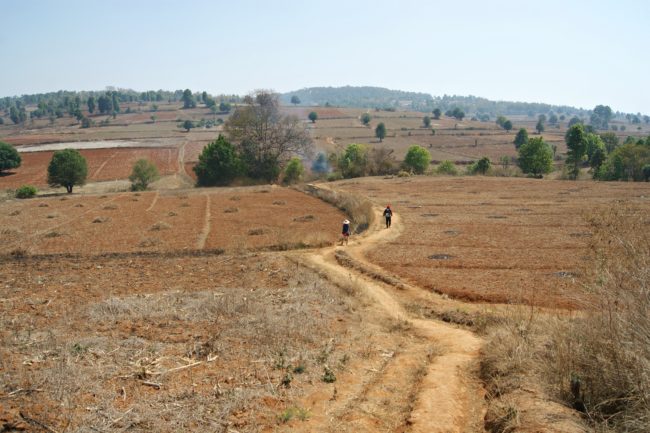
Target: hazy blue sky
pixel 579 53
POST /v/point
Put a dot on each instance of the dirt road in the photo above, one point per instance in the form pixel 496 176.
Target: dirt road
pixel 433 373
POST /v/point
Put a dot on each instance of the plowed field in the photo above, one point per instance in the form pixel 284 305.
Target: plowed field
pixel 235 218
pixel 492 239
pixel 103 164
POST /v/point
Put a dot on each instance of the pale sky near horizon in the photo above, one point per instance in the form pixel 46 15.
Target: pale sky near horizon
pixel 578 53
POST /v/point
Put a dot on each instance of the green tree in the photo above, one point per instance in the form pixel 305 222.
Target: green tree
pixel 417 159
pixel 266 138
pixel 536 157
pixel 610 140
pixel 144 172
pixel 482 166
pixel 313 116
pixel 354 161
pixel 577 146
pixel 521 138
pixel 365 118
pixel 594 143
pixel 626 162
pixel 501 120
pixel 597 160
pixel 187 125
pixel 507 125
pixel 540 126
pixel 380 131
pixel 601 116
pixel 105 104
pixel 552 119
pixel 115 99
pixel 295 100
pixel 426 121
pixel 67 168
pixel 9 157
pixel 91 104
pixel 225 107
pixel 574 121
pixel 17 115
pixel 218 163
pixel 188 99
pixel 293 171
pixel 437 113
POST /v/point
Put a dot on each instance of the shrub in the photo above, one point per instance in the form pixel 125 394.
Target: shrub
pixel 293 171
pixel 403 173
pixel 333 176
pixel 26 191
pixel 536 156
pixel 218 164
pixel 447 167
pixel 482 166
pixel 9 157
pixel 354 161
pixel 417 159
pixel 144 172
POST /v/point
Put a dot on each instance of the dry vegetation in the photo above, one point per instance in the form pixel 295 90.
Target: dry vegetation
pixel 596 361
pixel 110 346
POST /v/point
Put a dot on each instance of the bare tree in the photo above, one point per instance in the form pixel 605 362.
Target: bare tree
pixel 265 138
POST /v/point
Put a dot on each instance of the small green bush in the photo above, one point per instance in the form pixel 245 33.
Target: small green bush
pixel 447 167
pixel 293 171
pixel 335 175
pixel 26 191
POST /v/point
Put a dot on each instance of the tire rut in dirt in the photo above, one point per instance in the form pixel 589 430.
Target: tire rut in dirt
pixel 385 402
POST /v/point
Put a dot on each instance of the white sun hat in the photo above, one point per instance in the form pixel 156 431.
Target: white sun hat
pixel 346 222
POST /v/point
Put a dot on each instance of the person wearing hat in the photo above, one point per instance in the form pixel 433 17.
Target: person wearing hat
pixel 345 232
pixel 388 214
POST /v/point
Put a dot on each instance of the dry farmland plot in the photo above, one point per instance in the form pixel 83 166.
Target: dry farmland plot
pixel 454 140
pixel 216 343
pixel 492 239
pixel 103 164
pixel 260 217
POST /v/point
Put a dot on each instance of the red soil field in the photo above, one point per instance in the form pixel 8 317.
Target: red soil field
pixel 233 218
pixel 494 239
pixel 103 164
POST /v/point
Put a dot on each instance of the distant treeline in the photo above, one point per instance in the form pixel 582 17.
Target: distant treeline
pixel 386 99
pixel 72 103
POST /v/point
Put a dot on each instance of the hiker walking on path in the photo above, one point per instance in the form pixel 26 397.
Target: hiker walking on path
pixel 345 233
pixel 388 213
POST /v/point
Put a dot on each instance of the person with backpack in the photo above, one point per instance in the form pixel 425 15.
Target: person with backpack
pixel 345 233
pixel 388 214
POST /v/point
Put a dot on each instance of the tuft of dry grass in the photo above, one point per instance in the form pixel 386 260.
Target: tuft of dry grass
pixel 160 225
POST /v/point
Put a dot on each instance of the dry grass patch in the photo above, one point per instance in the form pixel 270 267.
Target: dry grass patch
pixel 595 361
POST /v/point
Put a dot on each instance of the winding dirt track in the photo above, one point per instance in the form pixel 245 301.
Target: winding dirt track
pixel 446 397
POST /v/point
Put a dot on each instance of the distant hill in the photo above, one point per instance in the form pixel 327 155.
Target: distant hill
pixel 361 97
pixel 378 97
